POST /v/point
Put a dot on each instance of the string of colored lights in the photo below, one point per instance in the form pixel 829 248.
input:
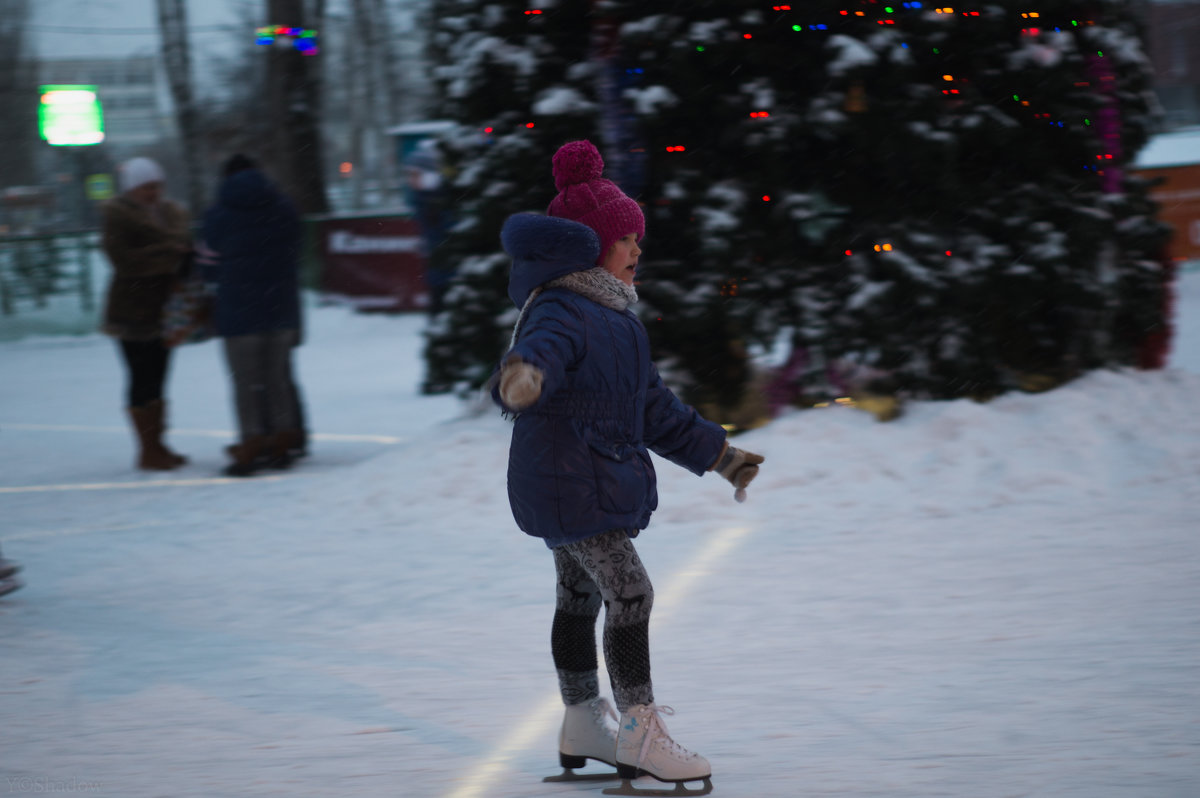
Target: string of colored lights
pixel 303 39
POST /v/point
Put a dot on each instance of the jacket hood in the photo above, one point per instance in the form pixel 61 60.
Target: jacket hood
pixel 544 248
pixel 249 188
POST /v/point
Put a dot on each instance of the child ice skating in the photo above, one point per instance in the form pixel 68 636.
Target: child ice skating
pixel 588 405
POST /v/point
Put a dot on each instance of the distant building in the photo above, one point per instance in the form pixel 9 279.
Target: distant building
pixel 1173 44
pixel 132 95
pixel 1174 160
pixel 137 121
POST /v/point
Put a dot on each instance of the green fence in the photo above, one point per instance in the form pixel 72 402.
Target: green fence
pixel 34 269
pixel 66 269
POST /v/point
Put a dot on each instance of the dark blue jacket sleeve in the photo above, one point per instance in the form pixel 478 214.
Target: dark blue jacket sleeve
pixel 677 432
pixel 552 339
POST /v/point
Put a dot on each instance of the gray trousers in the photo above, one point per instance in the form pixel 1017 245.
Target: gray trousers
pixel 602 570
pixel 260 366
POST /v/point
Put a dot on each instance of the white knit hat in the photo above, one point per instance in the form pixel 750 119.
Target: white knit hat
pixel 137 172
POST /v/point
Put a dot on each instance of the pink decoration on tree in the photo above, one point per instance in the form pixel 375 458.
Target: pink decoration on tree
pixel 1108 121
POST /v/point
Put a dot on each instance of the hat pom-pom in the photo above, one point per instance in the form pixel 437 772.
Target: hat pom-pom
pixel 576 162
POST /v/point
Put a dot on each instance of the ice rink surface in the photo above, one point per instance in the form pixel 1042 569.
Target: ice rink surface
pixel 973 601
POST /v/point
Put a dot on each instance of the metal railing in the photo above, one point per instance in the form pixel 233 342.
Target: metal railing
pixel 34 268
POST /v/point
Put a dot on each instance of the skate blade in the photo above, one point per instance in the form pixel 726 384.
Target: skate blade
pixel 570 775
pixel 627 788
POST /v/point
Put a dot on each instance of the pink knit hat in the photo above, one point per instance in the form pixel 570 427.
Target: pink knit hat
pixel 587 198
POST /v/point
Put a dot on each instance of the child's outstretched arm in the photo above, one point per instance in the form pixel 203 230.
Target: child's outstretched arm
pixel 680 434
pixel 535 367
pixel 739 467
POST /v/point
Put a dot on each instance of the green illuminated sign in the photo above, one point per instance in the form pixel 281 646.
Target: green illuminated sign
pixel 70 116
pixel 98 187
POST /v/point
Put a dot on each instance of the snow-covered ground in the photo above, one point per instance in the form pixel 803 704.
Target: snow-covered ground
pixel 976 600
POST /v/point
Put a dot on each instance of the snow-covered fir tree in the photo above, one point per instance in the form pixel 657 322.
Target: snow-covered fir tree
pixel 925 200
pixel 717 91
pixel 930 199
pixel 990 238
pixel 518 79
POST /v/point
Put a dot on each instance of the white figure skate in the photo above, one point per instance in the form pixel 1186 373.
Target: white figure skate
pixel 644 747
pixel 586 734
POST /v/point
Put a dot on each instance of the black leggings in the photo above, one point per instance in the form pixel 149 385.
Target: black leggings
pixel 602 569
pixel 146 363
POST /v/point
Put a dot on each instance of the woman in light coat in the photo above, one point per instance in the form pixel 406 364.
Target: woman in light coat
pixel 146 238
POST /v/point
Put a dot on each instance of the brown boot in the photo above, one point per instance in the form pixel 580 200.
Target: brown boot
pixel 158 409
pixel 248 456
pixel 284 447
pixel 151 454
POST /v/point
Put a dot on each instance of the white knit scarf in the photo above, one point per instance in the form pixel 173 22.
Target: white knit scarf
pixel 597 284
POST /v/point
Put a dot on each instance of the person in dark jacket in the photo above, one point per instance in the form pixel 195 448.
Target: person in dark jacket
pixel 434 216
pixel 146 238
pixel 252 238
pixel 589 406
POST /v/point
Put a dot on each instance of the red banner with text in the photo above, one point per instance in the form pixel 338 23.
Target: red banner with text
pixel 377 261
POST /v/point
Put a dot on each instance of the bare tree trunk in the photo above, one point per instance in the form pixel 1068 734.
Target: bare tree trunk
pixel 18 97
pixel 172 21
pixel 374 29
pixel 293 92
pixel 376 110
pixel 364 147
pixel 387 110
pixel 359 94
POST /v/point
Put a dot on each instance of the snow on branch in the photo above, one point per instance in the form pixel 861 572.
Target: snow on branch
pixel 851 53
pixel 650 100
pixel 559 100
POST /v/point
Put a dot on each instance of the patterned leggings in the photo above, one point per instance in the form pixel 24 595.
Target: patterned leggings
pixel 604 568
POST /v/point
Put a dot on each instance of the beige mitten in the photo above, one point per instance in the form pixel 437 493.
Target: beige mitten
pixel 520 383
pixel 739 467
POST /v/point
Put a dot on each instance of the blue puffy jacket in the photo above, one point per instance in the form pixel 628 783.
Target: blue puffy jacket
pixel 255 231
pixel 579 464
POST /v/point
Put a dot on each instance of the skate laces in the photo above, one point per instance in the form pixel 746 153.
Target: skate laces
pixel 656 729
pixel 601 707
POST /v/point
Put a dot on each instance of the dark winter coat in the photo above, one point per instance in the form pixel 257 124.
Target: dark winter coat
pixel 579 464
pixel 145 245
pixel 255 231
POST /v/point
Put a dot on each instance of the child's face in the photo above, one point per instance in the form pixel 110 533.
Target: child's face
pixel 621 260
